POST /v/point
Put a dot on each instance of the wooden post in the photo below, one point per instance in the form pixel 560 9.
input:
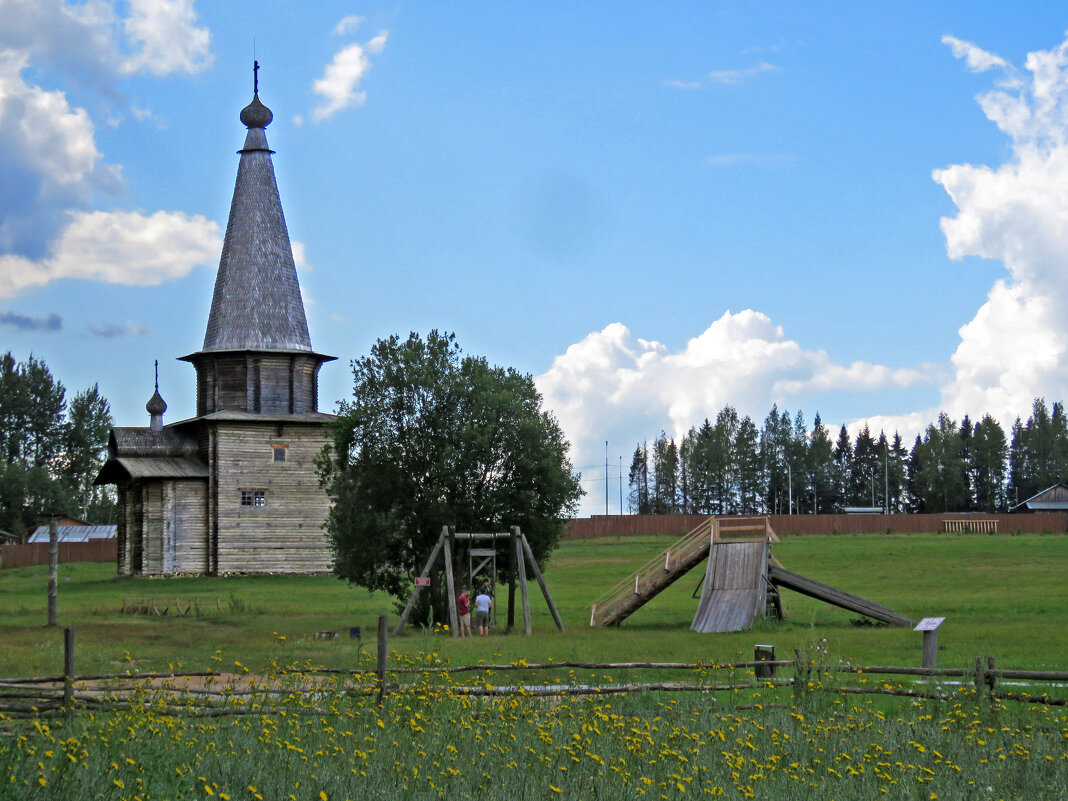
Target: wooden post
pixel 991 679
pixel 415 593
pixel 380 669
pixel 513 569
pixel 53 571
pixel 980 676
pixel 541 581
pixel 68 672
pixel 450 586
pixel 930 648
pixel 523 592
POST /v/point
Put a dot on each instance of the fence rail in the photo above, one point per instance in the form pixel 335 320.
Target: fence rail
pixel 67 694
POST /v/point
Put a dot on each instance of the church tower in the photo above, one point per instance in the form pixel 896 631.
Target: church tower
pixel 234 488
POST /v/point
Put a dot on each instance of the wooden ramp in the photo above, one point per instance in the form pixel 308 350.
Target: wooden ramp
pixel 824 592
pixel 664 570
pixel 735 588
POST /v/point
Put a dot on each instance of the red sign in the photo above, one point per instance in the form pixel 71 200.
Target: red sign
pixel 422 581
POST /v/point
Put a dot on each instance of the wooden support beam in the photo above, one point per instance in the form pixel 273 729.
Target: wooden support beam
pixel 513 570
pixel 449 535
pixel 523 592
pixel 541 582
pixel 415 593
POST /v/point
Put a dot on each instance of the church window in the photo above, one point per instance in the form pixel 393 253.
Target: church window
pixel 279 453
pixel 256 499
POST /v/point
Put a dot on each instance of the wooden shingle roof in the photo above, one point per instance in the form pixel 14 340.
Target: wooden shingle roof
pixel 257 303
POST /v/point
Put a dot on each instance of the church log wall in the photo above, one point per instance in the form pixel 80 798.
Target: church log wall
pixel 284 535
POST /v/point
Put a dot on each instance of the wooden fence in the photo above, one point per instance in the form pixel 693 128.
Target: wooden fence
pixel 67 694
pixel 794 525
pixel 37 553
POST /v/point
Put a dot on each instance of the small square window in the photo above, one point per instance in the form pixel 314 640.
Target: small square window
pixel 279 453
pixel 256 499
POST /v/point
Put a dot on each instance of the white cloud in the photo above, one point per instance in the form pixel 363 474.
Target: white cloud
pixel 342 76
pixel 1013 349
pixel 977 59
pixel 737 76
pixel 346 24
pixel 166 37
pixel 616 387
pixel 48 157
pixel 683 84
pixel 118 248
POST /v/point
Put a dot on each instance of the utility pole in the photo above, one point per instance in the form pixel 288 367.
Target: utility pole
pixel 620 485
pixel 53 570
pixel 886 477
pixel 606 478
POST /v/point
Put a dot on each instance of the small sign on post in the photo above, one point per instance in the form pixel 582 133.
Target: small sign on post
pixel 929 627
pixel 422 581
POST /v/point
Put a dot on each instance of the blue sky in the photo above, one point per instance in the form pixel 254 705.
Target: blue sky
pixel 655 209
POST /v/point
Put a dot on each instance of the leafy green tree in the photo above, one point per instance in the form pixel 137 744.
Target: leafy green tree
pixel 431 438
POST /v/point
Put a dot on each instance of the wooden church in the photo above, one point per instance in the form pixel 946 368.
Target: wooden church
pixel 234 489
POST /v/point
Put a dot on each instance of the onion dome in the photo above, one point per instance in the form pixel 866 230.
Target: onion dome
pixel 255 114
pixel 156 405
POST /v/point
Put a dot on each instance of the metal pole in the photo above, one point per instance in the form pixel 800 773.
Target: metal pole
pixel 620 485
pixel 886 474
pixel 790 473
pixel 606 478
pixel 53 570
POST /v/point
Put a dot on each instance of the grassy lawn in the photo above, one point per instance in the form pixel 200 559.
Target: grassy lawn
pixel 1002 595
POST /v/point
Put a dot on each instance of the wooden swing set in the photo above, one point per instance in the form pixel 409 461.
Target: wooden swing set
pixel 519 554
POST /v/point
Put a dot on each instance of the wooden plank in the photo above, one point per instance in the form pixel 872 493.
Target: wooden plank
pixel 415 593
pixel 541 580
pixel 450 584
pixel 836 597
pixel 523 592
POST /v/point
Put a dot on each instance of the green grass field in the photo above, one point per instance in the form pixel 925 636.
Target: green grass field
pixel 1002 595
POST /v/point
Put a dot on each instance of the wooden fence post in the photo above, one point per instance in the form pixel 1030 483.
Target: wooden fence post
pixel 381 666
pixel 991 679
pixel 68 672
pixel 53 570
pixel 980 675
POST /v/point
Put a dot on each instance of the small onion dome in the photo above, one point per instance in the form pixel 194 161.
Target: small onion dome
pixel 255 114
pixel 156 405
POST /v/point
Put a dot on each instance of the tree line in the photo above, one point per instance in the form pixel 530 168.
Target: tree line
pixel 50 450
pixel 729 466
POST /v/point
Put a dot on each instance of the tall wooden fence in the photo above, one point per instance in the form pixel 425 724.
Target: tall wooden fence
pixel 584 528
pixel 37 553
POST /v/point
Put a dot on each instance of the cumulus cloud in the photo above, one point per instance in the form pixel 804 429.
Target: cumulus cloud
pixel 1013 349
pixel 118 247
pixel 340 81
pixel 614 386
pixel 23 323
pixel 738 76
pixel 165 38
pixel 48 157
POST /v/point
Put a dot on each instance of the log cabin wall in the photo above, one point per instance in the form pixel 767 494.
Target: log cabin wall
pixel 285 533
pixel 152 526
pixel 122 559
